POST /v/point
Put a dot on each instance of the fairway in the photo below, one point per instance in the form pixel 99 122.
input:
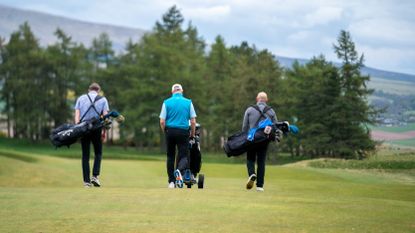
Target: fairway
pixel 45 194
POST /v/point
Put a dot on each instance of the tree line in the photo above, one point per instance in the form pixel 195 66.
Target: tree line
pixel 39 86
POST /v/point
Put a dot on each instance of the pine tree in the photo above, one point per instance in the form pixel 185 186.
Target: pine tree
pixel 314 89
pixel 24 80
pixel 63 72
pixel 353 113
pixel 219 102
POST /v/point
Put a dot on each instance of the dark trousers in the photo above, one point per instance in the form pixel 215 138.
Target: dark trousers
pixel 95 138
pixel 259 154
pixel 177 138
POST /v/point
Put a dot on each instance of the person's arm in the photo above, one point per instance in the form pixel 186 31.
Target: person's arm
pixel 192 127
pixel 192 121
pixel 77 116
pixel 163 115
pixel 274 116
pixel 106 107
pixel 162 124
pixel 245 122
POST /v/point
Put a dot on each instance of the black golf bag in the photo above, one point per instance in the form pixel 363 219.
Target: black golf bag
pixel 68 134
pixel 195 154
pixel 195 161
pixel 238 143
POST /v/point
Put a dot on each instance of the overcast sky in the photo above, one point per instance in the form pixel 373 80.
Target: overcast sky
pixel 384 30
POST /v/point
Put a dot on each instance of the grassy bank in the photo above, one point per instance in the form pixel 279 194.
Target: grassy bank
pixel 391 162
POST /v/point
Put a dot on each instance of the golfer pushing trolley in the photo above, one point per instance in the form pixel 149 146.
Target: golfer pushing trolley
pixel 176 112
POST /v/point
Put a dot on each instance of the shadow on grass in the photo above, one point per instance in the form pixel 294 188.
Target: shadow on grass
pixel 22 148
pixel 18 156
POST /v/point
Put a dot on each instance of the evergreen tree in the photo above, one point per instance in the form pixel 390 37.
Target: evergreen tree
pixel 353 113
pixel 64 65
pixel 101 51
pixel 314 89
pixel 218 100
pixel 24 81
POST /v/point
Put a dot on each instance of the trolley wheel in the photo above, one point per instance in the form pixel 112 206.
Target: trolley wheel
pixel 200 181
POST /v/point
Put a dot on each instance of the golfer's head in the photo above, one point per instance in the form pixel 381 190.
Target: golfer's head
pixel 262 97
pixel 176 88
pixel 94 87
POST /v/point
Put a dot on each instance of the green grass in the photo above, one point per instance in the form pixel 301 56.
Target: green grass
pixel 45 194
pixel 396 129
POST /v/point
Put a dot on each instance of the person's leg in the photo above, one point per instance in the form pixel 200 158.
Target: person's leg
pixel 261 154
pixel 171 152
pixel 182 139
pixel 250 164
pixel 85 142
pixel 97 143
pixel 250 161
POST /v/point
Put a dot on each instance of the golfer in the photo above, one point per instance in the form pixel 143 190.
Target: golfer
pixel 253 115
pixel 87 107
pixel 176 112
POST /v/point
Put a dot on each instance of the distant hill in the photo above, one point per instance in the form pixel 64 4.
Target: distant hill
pixel 44 25
pixel 374 73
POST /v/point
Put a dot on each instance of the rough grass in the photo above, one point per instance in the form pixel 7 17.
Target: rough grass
pixel 327 163
pixel 375 162
pixel 46 195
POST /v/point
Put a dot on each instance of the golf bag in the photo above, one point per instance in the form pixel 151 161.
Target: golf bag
pixel 195 154
pixel 238 143
pixel 68 134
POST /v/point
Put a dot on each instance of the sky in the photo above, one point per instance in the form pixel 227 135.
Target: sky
pixel 383 30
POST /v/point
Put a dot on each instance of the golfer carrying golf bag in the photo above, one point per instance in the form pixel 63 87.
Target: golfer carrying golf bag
pixel 253 115
pixel 87 107
pixel 176 112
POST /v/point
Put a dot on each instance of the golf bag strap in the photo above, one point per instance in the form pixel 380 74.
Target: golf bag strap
pixel 266 109
pixel 92 106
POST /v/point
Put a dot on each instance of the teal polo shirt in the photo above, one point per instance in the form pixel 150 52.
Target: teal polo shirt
pixel 177 111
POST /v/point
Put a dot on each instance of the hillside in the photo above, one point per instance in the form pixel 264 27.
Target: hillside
pixel 376 73
pixel 44 25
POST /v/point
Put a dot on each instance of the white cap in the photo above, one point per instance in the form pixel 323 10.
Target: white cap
pixel 176 87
